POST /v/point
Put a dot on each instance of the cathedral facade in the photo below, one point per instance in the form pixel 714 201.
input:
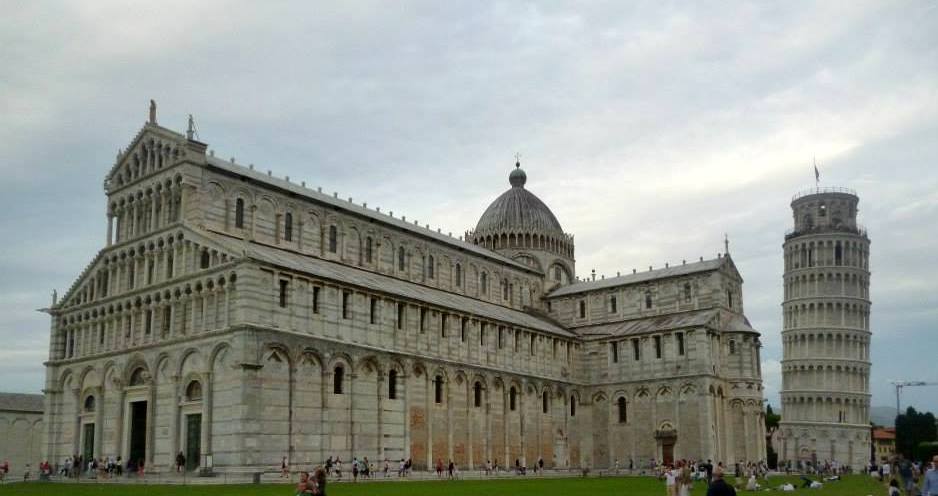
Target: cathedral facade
pixel 240 318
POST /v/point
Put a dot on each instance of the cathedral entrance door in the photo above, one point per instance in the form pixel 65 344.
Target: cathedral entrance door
pixel 193 440
pixel 138 431
pixel 667 451
pixel 87 448
pixel 667 438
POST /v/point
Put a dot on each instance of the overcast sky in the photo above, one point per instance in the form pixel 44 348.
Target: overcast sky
pixel 650 129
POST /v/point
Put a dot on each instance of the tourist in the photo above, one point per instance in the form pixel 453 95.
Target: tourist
pixel 354 469
pixel 387 466
pixel 401 468
pixel 180 461
pixel 905 472
pixel 708 468
pixel 319 482
pixel 894 488
pixel 670 481
pixel 683 480
pixel 304 486
pixel 439 468
pixel 931 479
pixel 540 466
pixel 752 485
pixel 119 466
pixel 718 486
pixel 338 468
pixel 284 472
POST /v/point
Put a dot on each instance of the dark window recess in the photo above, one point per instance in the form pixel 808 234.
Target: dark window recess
pixel 333 239
pixel 438 389
pixel 680 344
pixel 623 411
pixel 657 346
pixel 373 310
pixel 338 378
pixel 392 385
pixel 315 299
pixel 239 213
pixel 400 315
pixel 284 285
pixel 636 349
pixel 346 300
pixel 614 350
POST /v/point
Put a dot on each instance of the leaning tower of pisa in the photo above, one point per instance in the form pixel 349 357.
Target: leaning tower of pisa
pixel 826 332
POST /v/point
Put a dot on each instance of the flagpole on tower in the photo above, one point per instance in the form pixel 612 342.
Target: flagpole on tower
pixel 817 175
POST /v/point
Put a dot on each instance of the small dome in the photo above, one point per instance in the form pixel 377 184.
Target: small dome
pixel 517 178
pixel 518 210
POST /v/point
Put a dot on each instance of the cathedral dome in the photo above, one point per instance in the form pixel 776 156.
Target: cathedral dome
pixel 518 210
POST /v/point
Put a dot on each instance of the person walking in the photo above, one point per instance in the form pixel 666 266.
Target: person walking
pixel 284 471
pixel 180 462
pixel 719 487
pixel 930 488
pixel 670 481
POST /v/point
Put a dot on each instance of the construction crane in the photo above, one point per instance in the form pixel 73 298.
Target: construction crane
pixel 901 384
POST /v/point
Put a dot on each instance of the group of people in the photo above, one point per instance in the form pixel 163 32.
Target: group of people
pixel 908 475
pixel 105 467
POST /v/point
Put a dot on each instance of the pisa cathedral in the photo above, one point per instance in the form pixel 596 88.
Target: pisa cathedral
pixel 826 332
pixel 240 318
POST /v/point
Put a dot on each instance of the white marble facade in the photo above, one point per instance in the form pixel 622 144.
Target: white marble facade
pixel 240 318
pixel 826 332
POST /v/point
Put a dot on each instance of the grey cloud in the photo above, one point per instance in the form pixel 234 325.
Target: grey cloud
pixel 649 129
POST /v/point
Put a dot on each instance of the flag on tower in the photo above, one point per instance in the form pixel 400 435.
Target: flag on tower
pixel 817 173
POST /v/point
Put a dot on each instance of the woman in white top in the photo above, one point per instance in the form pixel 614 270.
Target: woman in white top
pixel 670 481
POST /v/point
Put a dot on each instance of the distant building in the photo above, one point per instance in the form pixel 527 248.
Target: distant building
pixel 884 443
pixel 240 318
pixel 21 431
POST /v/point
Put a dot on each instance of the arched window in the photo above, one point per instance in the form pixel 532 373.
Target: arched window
pixel 89 404
pixel 623 412
pixel 333 239
pixel 288 227
pixel 648 299
pixel 430 267
pixel 484 282
pixel 573 406
pixel 505 289
pixel 392 385
pixel 613 304
pixel 438 389
pixel 687 293
pixel 582 309
pixel 194 391
pixel 512 398
pixel 545 400
pixel 204 262
pixel 729 298
pixel 338 379
pixel 401 262
pixel 458 275
pixel 557 273
pixel 138 377
pixel 477 395
pixel 239 213
pixel 369 249
pixel 838 254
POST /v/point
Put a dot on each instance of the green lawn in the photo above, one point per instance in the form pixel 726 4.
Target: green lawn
pixel 630 486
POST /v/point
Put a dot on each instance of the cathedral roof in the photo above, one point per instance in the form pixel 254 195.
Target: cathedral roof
pixel 711 318
pixel 386 284
pixel 518 210
pixel 347 205
pixel 18 402
pixel 611 282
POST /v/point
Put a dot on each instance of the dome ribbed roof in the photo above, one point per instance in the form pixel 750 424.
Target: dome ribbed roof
pixel 518 210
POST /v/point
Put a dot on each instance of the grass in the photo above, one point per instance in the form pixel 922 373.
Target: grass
pixel 631 486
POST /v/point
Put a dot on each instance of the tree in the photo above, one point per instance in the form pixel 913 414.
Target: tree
pixel 771 419
pixel 913 428
pixel 771 425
